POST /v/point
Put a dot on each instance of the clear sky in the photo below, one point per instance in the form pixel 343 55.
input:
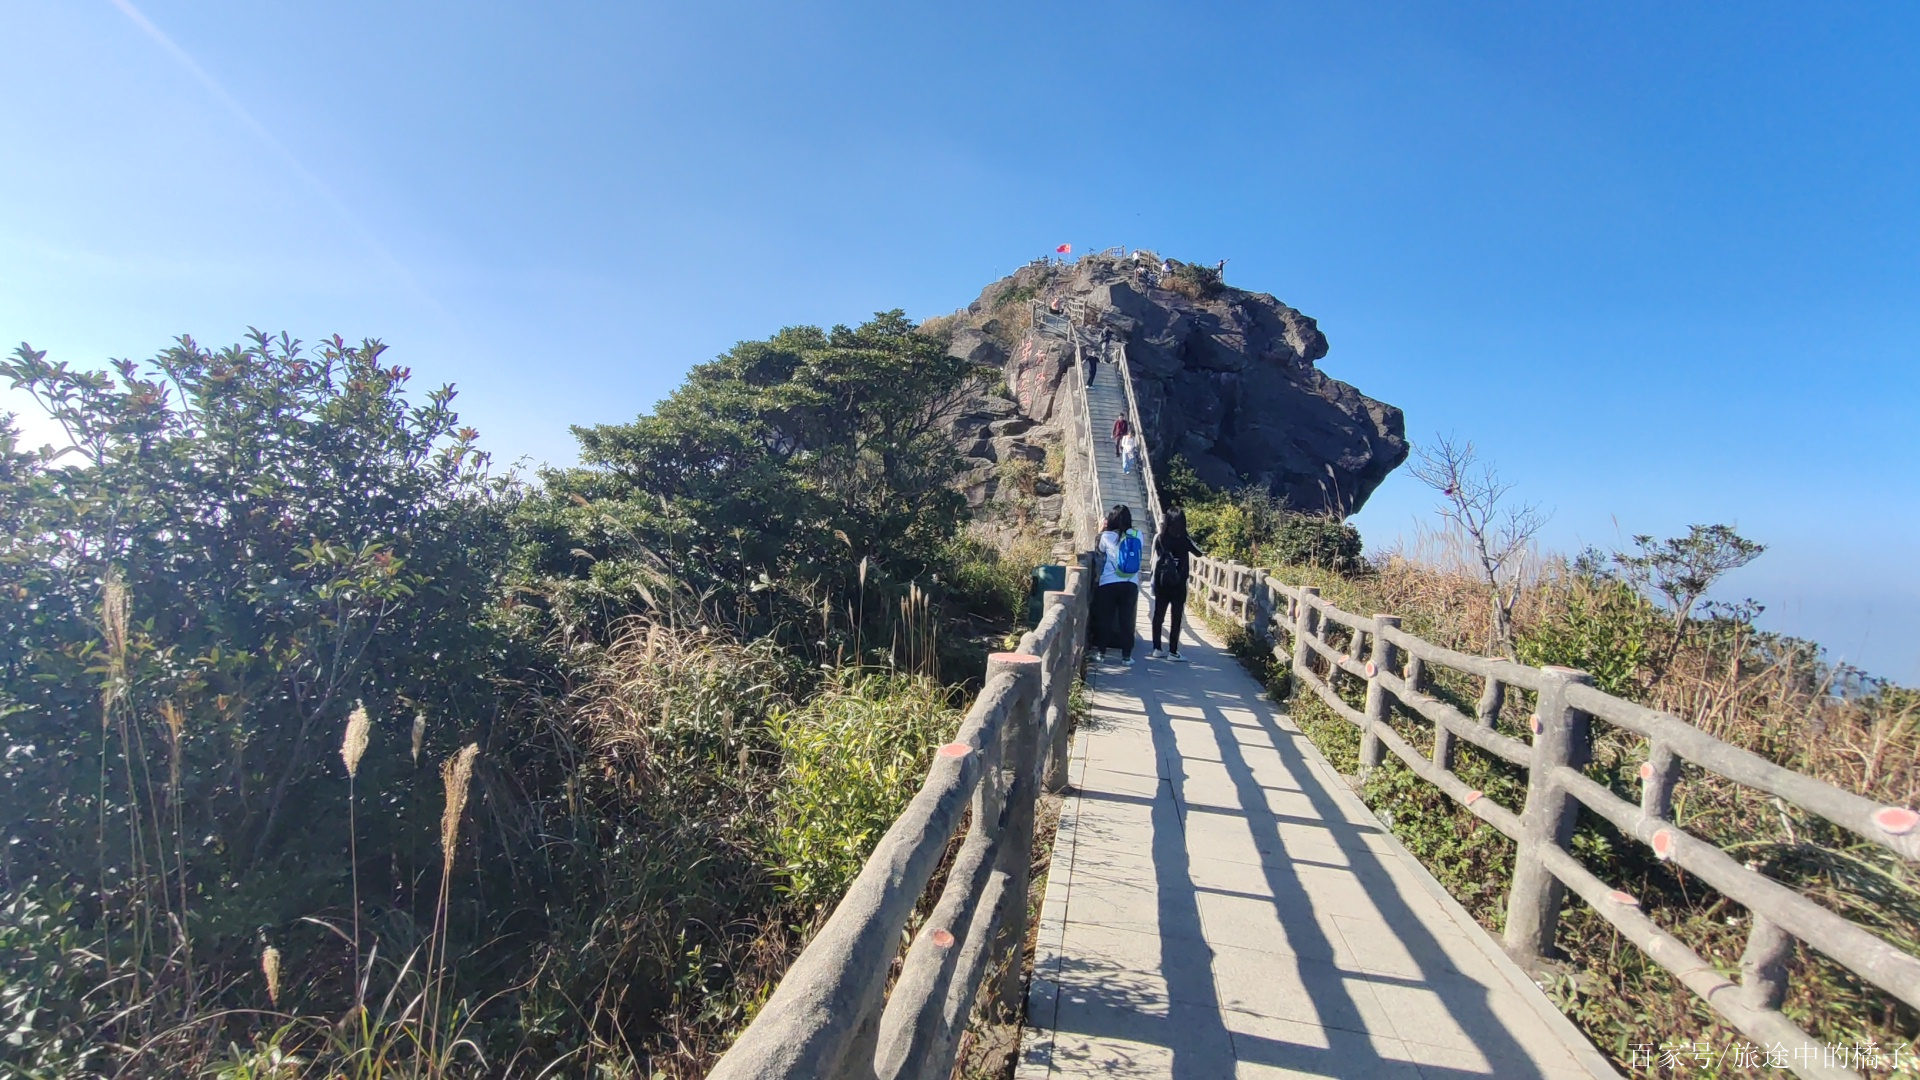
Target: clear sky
pixel 1660 261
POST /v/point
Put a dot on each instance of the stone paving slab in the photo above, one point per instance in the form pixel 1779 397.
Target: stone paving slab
pixel 1221 904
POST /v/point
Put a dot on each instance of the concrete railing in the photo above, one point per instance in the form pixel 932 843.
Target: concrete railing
pixel 1396 668
pixel 832 1014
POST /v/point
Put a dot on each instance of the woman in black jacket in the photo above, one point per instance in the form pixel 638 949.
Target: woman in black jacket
pixel 1173 550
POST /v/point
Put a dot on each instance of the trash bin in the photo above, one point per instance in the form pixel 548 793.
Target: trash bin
pixel 1046 578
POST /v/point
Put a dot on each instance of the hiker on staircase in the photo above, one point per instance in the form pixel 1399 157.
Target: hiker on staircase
pixel 1110 623
pixel 1120 430
pixel 1172 569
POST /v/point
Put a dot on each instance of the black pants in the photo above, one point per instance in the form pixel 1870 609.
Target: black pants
pixel 1111 623
pixel 1165 598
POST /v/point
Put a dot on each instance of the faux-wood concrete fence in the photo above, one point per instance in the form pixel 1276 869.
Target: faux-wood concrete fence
pixel 1396 666
pixel 833 1015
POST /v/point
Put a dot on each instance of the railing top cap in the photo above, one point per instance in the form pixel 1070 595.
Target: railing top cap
pixel 1012 658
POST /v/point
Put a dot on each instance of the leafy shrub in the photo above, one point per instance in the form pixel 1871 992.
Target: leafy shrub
pixel 1598 625
pixel 1320 540
pixel 46 972
pixel 1251 526
pixel 1180 485
pixel 852 757
pixel 991 581
pixel 1223 530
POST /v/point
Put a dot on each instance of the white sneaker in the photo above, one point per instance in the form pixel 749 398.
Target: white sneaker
pixel 1177 658
pixel 1155 654
pixel 1126 661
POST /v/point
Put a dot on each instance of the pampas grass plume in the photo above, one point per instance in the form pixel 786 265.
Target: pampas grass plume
pixel 270 966
pixel 457 774
pixel 353 745
pixel 419 734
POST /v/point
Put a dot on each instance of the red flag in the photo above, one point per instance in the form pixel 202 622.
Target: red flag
pixel 1064 249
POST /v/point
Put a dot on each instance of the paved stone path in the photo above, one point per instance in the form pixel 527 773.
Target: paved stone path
pixel 1221 904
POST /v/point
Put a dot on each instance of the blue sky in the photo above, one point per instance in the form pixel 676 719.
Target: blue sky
pixel 1659 261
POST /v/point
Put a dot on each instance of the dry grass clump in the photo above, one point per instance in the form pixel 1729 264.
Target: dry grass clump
pixel 680 701
pixel 940 327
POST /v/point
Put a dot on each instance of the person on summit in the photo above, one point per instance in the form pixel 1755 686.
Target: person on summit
pixel 1110 623
pixel 1172 570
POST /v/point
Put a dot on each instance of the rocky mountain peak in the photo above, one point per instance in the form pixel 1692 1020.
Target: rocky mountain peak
pixel 1225 378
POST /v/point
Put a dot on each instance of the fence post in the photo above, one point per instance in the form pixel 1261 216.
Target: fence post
pixel 1763 968
pixel 1491 700
pixel 1657 777
pixel 1381 658
pixel 1022 734
pixel 1416 680
pixel 1560 737
pixel 1066 668
pixel 1258 614
pixel 1306 622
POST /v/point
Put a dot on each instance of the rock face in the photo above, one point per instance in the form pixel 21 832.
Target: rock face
pixel 1225 379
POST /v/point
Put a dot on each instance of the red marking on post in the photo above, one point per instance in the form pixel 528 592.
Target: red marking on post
pixel 1646 770
pixel 943 938
pixel 1345 659
pixel 1663 844
pixel 1897 820
pixel 955 750
pixel 1534 723
pixel 1372 670
pixel 1474 797
pixel 1012 658
pixel 1626 898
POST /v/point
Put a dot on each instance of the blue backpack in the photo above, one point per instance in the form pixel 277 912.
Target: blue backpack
pixel 1129 563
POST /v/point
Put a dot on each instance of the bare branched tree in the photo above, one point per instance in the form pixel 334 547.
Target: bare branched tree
pixel 1497 531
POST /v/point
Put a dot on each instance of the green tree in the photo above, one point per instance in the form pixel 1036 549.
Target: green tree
pixel 230 550
pixel 1683 568
pixel 755 491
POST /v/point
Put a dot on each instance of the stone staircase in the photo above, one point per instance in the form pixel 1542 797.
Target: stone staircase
pixel 1106 401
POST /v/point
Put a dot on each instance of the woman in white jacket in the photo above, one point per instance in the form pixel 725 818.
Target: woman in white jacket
pixel 1110 623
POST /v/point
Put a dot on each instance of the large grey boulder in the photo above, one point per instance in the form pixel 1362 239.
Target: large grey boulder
pixel 1225 379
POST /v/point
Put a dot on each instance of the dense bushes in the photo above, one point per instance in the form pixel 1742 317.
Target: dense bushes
pixel 260 570
pixel 1251 526
pixel 851 756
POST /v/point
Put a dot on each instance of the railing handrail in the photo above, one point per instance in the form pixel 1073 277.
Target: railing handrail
pixel 1085 408
pixel 1395 670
